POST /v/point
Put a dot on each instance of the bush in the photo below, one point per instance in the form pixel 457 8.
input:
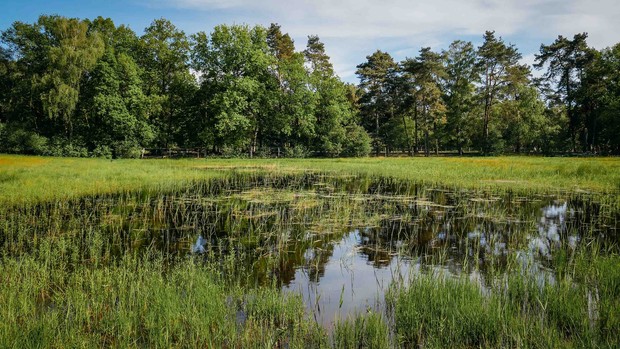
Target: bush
pixel 296 151
pixel 262 152
pixel 17 140
pixel 59 147
pixel 229 151
pixel 102 151
pixel 126 150
pixel 358 142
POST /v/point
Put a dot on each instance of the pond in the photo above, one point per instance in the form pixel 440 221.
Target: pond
pixel 339 241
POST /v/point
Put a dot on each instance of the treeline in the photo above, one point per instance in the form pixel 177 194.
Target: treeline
pixel 484 99
pixel 72 87
pixel 80 87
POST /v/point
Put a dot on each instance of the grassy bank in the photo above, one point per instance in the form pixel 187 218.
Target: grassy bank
pixel 24 179
pixel 95 253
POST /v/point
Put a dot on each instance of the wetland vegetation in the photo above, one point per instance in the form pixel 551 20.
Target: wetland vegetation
pixel 264 247
pixel 313 253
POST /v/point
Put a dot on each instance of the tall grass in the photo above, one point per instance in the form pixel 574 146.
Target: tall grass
pixel 519 309
pixel 109 267
pixel 30 179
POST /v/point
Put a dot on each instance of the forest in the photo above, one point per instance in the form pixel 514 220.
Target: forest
pixel 90 88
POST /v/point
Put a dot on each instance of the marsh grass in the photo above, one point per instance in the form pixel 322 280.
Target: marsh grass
pixel 93 267
pixel 369 330
pixel 132 304
pixel 518 309
pixel 28 179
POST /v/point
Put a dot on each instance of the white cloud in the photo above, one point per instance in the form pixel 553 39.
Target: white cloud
pixel 530 59
pixel 353 29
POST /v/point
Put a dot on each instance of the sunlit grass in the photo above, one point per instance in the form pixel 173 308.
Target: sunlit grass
pixel 25 178
pixel 95 252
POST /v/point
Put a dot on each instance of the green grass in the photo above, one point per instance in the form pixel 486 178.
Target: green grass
pixel 80 267
pixel 439 311
pixel 133 305
pixel 24 179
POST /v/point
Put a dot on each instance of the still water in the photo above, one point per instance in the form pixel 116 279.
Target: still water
pixel 341 242
pixel 338 241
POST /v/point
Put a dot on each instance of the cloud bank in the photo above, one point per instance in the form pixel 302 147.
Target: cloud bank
pixel 353 29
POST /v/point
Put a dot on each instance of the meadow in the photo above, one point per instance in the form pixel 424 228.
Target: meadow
pixel 27 178
pixel 310 253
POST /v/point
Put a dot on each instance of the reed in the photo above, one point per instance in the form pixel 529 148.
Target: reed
pixel 477 266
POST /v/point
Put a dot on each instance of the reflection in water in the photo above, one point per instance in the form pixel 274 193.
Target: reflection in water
pixel 349 282
pixel 199 246
pixel 339 241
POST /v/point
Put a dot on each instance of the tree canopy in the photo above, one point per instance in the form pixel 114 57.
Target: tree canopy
pixel 80 87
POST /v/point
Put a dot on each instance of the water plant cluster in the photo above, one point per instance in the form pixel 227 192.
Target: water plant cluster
pixel 255 258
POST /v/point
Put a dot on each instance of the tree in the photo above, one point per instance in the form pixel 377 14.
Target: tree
pixel 6 83
pixel 499 66
pixel 461 76
pixel 71 55
pixel 524 123
pixel 566 60
pixel 377 81
pixel 293 118
pixel 333 111
pixel 122 39
pixel 427 71
pixel 234 62
pixel 26 51
pixel 598 100
pixel 164 59
pixel 115 107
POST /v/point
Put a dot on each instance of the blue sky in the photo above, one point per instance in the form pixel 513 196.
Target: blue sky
pixel 353 29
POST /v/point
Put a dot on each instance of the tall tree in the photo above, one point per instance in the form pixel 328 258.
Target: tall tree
pixel 333 111
pixel 293 116
pixel 377 81
pixel 165 62
pixel 6 83
pixel 499 66
pixel 428 72
pixel 598 101
pixel 114 107
pixel 234 62
pixel 525 126
pixel 566 60
pixel 462 75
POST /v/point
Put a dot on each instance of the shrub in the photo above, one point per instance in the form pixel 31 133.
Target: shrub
pixel 60 147
pixel 296 151
pixel 18 140
pixel 102 151
pixel 358 142
pixel 126 149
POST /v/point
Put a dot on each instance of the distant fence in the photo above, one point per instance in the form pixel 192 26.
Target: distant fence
pixel 265 152
pixel 148 153
pixel 174 153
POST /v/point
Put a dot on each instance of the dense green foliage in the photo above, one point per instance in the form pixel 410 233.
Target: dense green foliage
pixel 72 87
pixel 485 100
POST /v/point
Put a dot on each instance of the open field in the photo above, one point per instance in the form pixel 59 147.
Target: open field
pixel 344 253
pixel 25 178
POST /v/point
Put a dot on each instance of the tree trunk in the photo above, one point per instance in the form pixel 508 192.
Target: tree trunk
pixel 460 139
pixel 377 134
pixel 415 130
pixel 254 142
pixel 407 135
pixel 486 125
pixel 572 127
pixel 426 150
pixel 436 138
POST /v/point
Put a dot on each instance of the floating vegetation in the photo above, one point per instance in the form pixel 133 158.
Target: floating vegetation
pixel 311 260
